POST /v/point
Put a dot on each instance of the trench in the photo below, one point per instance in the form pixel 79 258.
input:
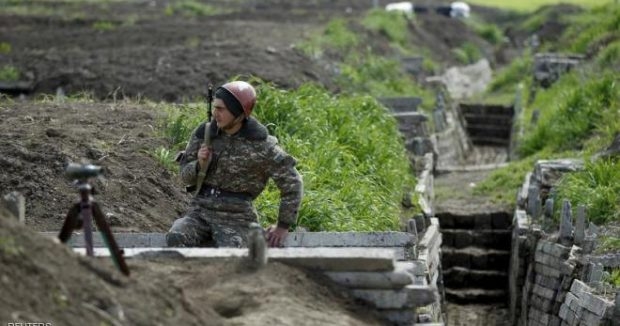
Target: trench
pixel 476 231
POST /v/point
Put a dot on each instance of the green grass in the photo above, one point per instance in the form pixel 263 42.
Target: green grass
pixel 362 71
pixel 530 5
pixel 9 73
pixel 597 188
pixel 391 24
pixel 103 26
pixel 609 244
pixel 165 157
pixel 5 48
pixel 349 152
pixel 609 58
pixel 507 79
pixel 591 28
pixel 503 184
pixel 335 36
pixel 377 76
pixel 614 275
pixel 467 53
pixel 191 8
pixel 573 110
pixel 490 32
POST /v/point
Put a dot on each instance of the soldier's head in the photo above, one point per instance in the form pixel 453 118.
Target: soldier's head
pixel 233 103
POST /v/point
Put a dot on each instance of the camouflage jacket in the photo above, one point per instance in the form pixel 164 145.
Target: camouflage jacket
pixel 244 162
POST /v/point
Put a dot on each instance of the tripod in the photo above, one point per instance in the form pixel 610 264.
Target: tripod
pixel 82 213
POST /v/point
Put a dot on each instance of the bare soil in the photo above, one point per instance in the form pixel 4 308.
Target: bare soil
pixel 133 49
pixel 42 281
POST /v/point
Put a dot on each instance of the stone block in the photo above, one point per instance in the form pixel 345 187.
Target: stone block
pixel 350 239
pixel 548 282
pixel 328 259
pixel 580 225
pixel 578 287
pixel 546 259
pixel 539 316
pixel 566 223
pixel 545 293
pixel 595 304
pixel 589 318
pixel 548 172
pixel 523 191
pixel 547 271
pixel 371 280
pixel 541 303
pixel 410 296
pixel 554 321
pixel 553 249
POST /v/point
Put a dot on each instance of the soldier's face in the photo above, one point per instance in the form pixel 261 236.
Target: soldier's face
pixel 222 115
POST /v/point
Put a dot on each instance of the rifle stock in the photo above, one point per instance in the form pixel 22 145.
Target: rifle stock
pixel 207 142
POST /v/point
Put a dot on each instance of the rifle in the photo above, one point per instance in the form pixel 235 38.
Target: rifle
pixel 207 141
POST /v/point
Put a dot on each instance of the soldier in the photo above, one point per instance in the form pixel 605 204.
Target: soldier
pixel 241 159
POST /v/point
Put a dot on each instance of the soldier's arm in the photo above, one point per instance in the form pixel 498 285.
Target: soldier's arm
pixel 289 181
pixel 189 164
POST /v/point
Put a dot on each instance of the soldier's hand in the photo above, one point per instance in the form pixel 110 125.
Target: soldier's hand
pixel 276 236
pixel 203 155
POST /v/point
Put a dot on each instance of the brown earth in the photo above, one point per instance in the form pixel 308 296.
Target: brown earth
pixel 136 49
pixel 39 140
pixel 133 49
pixel 42 281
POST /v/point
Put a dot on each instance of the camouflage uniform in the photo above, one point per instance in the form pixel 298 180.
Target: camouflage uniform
pixel 241 166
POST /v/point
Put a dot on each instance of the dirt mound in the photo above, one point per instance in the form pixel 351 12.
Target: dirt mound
pixel 168 50
pixel 43 281
pixel 39 140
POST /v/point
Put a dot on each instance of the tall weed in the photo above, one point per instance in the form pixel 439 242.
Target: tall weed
pixel 597 188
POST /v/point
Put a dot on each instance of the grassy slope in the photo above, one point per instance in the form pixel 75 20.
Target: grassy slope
pixel 578 116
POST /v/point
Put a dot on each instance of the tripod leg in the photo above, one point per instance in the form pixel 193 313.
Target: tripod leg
pixel 87 220
pixel 70 224
pixel 106 233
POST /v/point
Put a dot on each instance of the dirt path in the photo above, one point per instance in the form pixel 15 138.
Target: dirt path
pixel 477 315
